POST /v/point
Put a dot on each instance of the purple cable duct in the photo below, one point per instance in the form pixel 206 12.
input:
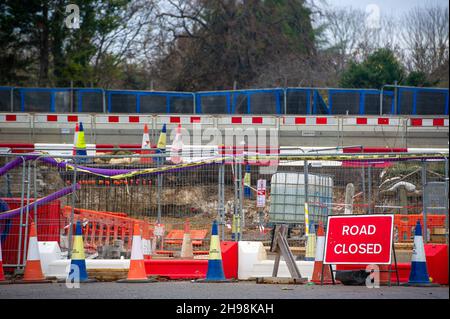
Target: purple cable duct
pixel 16 162
pixel 44 200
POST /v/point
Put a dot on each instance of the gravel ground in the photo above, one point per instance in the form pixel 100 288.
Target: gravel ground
pixel 240 290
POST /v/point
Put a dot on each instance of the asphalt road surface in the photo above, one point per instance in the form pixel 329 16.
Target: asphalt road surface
pixel 239 290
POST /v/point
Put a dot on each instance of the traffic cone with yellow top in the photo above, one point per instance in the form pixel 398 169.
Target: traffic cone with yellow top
pixel 215 266
pixel 136 272
pixel 80 146
pixel 310 244
pixel 78 271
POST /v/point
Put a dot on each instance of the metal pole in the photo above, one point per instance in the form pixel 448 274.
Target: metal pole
pixel 424 201
pixel 12 99
pixel 222 198
pixel 369 187
pixel 22 194
pixel 72 213
pixel 28 208
pixel 395 96
pixel 160 181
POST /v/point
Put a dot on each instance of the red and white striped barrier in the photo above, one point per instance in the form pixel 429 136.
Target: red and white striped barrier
pixel 184 119
pixel 14 118
pixel 62 118
pixel 247 120
pixel 428 122
pixel 123 119
pixel 310 120
pixel 375 121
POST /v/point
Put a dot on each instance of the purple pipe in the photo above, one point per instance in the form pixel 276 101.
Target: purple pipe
pixel 44 200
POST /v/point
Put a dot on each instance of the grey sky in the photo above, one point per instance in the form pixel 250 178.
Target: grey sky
pixel 389 7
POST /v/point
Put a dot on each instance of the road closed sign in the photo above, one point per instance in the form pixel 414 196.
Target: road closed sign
pixel 359 239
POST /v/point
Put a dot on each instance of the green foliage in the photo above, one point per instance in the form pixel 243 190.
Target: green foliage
pixel 70 52
pixel 378 69
pixel 420 79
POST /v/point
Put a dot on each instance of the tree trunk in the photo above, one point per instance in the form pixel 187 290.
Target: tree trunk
pixel 44 47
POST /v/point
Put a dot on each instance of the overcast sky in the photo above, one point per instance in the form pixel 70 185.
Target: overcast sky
pixel 395 7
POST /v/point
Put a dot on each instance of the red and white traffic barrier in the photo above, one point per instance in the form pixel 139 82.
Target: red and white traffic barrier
pixel 14 118
pixel 184 119
pixel 427 122
pixel 123 119
pixel 61 118
pixel 375 121
pixel 310 120
pixel 247 120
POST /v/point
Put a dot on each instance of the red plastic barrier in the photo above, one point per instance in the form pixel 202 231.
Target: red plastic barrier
pixel 48 226
pixel 18 147
pixel 229 251
pixel 194 268
pixel 177 268
pixel 437 262
pixel 437 265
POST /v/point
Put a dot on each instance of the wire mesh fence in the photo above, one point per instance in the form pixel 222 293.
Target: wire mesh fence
pixel 109 193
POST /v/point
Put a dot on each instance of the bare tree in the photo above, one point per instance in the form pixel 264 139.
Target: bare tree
pixel 425 37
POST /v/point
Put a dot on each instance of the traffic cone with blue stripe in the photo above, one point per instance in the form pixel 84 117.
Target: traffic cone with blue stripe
pixel 78 259
pixel 136 272
pixel 81 145
pixel 215 267
pixel 419 274
pixel 247 182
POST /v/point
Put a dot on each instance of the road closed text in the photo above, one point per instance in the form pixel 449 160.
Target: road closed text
pixel 359 239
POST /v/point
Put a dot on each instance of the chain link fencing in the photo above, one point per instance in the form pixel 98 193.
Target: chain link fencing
pixel 110 192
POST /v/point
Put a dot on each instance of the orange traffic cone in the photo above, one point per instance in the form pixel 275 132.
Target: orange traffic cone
pixel 318 261
pixel 145 148
pixel 33 270
pixel 146 242
pixel 187 251
pixel 136 273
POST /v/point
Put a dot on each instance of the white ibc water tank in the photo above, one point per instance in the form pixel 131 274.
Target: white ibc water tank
pixel 250 253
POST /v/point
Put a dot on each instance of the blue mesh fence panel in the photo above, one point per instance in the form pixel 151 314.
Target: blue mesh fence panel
pixel 34 101
pixel 320 107
pixel 297 101
pixel 5 100
pixel 91 101
pixel 213 104
pixel 406 100
pixel 183 104
pixel 153 104
pixel 239 103
pixel 62 102
pixel 263 103
pixel 122 103
pixel 344 102
pixel 430 102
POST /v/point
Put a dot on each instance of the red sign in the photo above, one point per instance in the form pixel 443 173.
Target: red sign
pixel 359 239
